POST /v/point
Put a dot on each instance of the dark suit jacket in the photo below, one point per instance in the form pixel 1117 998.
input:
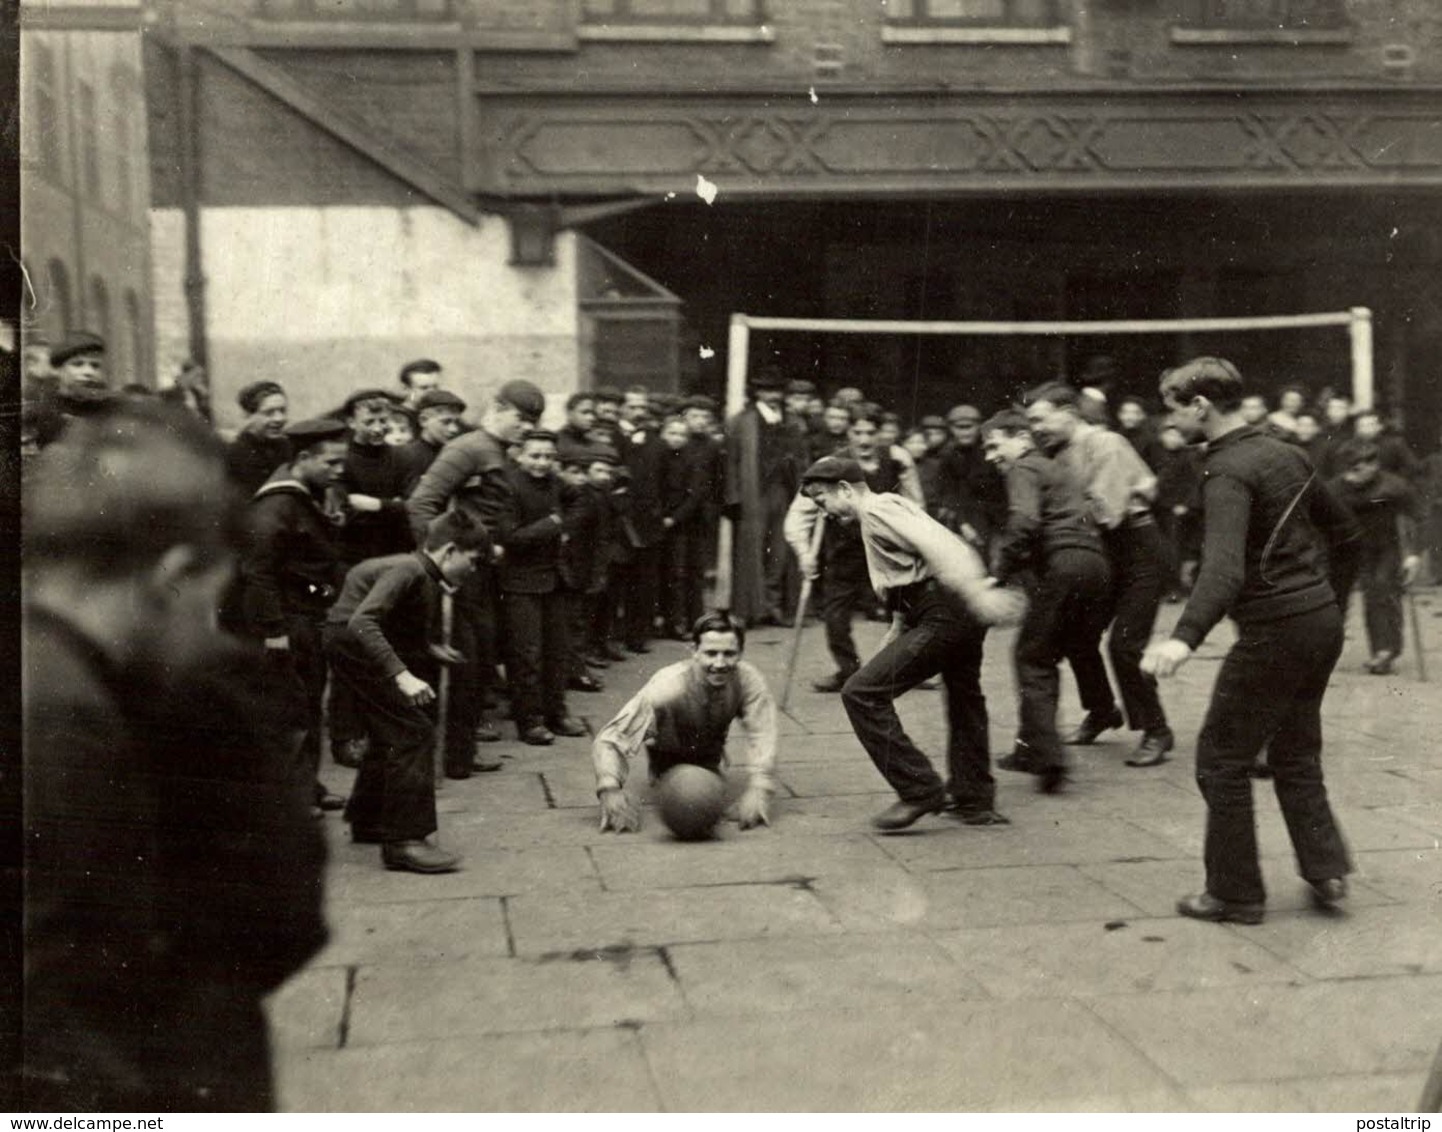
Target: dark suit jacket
pixel 530 534
pixel 174 878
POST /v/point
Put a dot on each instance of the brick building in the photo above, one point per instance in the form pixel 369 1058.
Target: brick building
pixel 85 187
pixel 511 185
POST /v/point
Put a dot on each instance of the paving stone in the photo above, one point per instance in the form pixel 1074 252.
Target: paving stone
pixel 1260 1033
pixel 305 1013
pixel 899 1061
pixel 1362 829
pixel 1388 940
pixel 1413 875
pixel 514 789
pixel 1156 886
pixel 969 898
pixel 1245 1096
pixel 1120 957
pixel 1426 816
pixel 854 776
pixel 819 973
pixel 568 1071
pixel 486 871
pixel 754 856
pixel 1367 1092
pixel 567 922
pixel 414 931
pixel 1031 839
pixel 399 1004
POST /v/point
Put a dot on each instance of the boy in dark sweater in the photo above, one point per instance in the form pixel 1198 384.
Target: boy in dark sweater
pixel 585 542
pixel 1387 507
pixel 375 481
pixel 382 640
pixel 1269 524
pixel 682 484
pixel 530 529
pixel 1051 546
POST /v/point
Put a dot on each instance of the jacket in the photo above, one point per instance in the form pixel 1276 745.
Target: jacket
pixel 1270 525
pixel 292 566
pixel 529 528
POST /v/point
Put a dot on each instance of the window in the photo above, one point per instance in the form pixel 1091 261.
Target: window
pixel 973 13
pixel 89 146
pixel 714 12
pixel 44 114
pixel 354 10
pixel 1262 21
pixel 56 301
pixel 697 21
pixel 137 338
pixel 99 319
pixel 1264 15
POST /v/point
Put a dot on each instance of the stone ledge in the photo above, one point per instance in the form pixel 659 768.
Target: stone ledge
pixel 674 33
pixel 1021 37
pixel 1281 37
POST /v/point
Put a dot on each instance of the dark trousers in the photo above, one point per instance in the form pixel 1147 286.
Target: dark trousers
pixel 682 570
pixel 939 636
pixel 580 617
pixel 847 585
pixel 633 588
pixel 394 795
pixel 1381 578
pixel 307 658
pixel 1269 694
pixel 1137 557
pixel 539 654
pixel 1065 618
pixel 776 554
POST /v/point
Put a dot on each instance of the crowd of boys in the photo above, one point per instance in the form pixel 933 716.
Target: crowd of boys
pixel 406 572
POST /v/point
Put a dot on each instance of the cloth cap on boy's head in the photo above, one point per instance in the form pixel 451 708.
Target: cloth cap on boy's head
pixel 368 395
pixel 933 421
pixel 833 469
pixel 74 344
pixel 768 378
pixel 525 398
pixel 439 399
pixel 316 430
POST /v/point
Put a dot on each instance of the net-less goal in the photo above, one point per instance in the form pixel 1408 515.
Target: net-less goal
pixel 1357 321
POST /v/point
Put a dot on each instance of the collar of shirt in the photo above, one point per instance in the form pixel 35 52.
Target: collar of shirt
pixel 767 413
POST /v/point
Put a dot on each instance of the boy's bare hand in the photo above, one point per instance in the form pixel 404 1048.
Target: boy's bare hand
pixel 447 654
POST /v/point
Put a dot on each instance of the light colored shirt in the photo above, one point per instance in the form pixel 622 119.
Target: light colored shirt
pixel 1117 482
pixel 804 512
pixel 905 545
pixel 678 702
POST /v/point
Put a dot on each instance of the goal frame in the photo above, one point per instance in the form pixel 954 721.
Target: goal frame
pixel 1357 320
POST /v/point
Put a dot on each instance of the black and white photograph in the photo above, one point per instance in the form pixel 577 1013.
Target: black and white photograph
pixel 724 556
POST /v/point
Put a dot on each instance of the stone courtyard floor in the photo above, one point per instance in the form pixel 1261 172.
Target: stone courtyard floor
pixel 819 966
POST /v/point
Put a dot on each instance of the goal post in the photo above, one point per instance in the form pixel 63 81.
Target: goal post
pixel 1357 320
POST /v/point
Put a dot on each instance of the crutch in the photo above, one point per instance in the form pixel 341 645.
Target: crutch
pixel 806 583
pixel 443 689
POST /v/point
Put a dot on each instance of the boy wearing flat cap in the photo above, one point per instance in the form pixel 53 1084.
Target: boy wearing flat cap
pixel 941 602
pixel 261 445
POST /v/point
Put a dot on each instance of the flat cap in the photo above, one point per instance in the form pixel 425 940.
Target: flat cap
pixel 601 454
pixel 317 429
pixel 767 377
pixel 964 414
pixel 700 401
pixel 74 344
pixel 801 386
pixel 376 394
pixel 439 399
pixel 933 421
pixel 539 434
pixel 525 398
pixel 834 469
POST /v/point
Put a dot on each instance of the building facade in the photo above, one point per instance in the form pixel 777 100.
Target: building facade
pixel 579 191
pixel 85 189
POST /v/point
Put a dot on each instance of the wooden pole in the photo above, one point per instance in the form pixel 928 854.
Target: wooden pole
pixel 817 533
pixel 443 691
pixel 737 346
